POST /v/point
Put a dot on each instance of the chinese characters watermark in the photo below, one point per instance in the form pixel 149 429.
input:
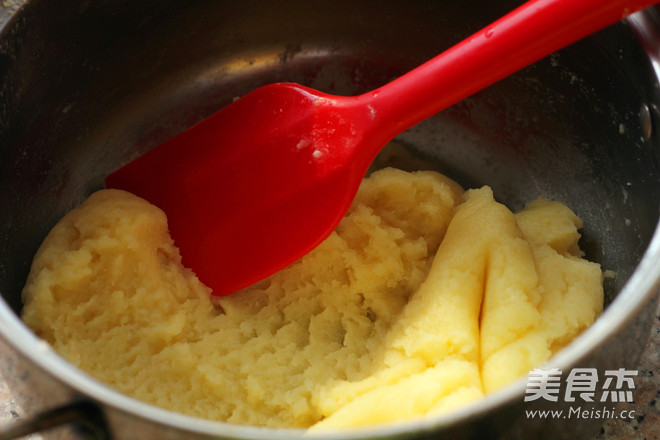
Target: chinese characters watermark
pixel 581 383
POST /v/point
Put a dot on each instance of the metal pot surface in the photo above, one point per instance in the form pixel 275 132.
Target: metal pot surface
pixel 86 86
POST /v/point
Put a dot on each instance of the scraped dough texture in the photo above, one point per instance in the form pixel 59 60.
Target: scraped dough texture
pixel 422 300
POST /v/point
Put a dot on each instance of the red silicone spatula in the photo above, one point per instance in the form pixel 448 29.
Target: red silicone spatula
pixel 264 180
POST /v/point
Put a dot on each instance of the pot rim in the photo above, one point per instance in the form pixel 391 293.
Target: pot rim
pixel 640 289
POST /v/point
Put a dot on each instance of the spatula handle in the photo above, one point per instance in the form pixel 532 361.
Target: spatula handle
pixel 532 31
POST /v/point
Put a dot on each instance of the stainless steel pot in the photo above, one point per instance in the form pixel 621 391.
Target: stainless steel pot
pixel 87 85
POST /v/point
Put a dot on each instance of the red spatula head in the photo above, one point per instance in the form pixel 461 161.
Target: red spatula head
pixel 255 186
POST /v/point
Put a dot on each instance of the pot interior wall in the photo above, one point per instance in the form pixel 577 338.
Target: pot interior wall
pixel 87 86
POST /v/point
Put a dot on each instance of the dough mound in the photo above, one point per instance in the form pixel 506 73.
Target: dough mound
pixel 424 298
